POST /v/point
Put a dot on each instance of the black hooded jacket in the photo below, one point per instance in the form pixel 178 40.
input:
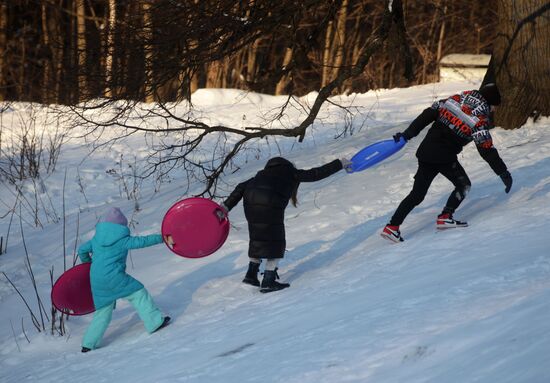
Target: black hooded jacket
pixel 266 197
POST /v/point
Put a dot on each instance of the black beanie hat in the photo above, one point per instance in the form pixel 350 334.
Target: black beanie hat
pixel 278 161
pixel 490 93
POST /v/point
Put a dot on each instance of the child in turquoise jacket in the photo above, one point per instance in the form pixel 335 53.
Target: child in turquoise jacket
pixel 109 280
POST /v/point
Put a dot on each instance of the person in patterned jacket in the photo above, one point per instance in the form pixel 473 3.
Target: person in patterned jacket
pixel 457 121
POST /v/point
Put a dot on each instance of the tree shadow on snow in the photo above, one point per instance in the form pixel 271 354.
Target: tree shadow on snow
pixel 525 182
pixel 347 241
pixel 176 297
pixel 481 198
pixel 182 290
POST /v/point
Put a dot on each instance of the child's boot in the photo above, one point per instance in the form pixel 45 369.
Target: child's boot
pixel 164 323
pixel 251 276
pixel 269 283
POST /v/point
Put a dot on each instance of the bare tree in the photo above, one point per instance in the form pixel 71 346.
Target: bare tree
pixel 184 147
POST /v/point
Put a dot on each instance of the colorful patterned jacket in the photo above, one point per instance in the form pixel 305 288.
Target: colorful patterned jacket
pixel 457 121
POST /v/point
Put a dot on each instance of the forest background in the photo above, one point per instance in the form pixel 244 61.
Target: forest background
pixel 68 51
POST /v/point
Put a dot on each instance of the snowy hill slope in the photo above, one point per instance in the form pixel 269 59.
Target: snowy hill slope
pixel 464 305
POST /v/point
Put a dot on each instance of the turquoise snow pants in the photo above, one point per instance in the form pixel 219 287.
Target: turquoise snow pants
pixel 143 303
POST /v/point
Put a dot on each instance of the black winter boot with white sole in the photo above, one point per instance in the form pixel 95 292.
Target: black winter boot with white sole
pixel 269 283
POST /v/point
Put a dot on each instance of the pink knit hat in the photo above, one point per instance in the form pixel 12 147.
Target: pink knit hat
pixel 114 215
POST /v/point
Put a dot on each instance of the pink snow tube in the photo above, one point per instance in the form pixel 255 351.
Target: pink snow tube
pixel 72 292
pixel 195 227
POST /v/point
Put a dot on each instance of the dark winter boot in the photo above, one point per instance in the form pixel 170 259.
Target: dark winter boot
pixel 86 349
pixel 251 276
pixel 269 283
pixel 164 323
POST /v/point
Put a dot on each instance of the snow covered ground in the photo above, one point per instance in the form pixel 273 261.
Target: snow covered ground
pixel 463 305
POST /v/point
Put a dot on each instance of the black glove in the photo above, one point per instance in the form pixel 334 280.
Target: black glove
pixel 397 137
pixel 506 177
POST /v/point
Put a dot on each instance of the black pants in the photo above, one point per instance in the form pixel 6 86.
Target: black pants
pixel 423 178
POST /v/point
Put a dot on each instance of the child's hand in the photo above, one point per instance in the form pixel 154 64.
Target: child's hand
pixel 347 165
pixel 221 213
pixel 169 240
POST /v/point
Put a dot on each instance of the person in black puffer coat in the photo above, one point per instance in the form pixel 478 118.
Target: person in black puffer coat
pixel 266 197
pixel 457 121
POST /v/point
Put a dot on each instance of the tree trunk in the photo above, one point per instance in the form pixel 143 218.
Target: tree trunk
pixel 58 52
pixel 81 49
pixel 148 50
pixel 47 89
pixel 109 49
pixel 326 55
pixel 3 42
pixel 340 38
pixel 22 74
pixel 520 61
pixel 281 87
pixel 194 85
pixel 251 61
pixel 441 37
pixel 214 74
